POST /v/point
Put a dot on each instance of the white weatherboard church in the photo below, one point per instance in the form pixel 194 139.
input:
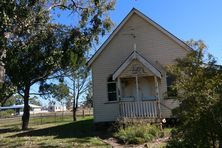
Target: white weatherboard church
pixel 129 71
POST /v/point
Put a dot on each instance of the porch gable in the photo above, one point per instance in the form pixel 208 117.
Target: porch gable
pixel 135 64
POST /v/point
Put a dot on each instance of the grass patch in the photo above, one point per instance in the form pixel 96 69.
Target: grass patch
pixel 7 113
pixel 137 133
pixel 59 134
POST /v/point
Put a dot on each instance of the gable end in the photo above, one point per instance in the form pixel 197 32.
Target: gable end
pixel 140 14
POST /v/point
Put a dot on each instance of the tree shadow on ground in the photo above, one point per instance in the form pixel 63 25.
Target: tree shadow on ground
pixel 78 129
pixel 9 130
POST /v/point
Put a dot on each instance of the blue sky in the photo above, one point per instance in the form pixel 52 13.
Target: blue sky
pixel 186 19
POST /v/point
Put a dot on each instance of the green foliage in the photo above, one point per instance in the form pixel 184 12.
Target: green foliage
pixel 14 99
pixel 10 101
pixel 137 133
pixel 199 81
pixel 34 100
pixel 6 91
pixel 60 92
pixel 7 113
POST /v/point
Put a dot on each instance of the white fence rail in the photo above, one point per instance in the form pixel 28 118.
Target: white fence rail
pixel 139 109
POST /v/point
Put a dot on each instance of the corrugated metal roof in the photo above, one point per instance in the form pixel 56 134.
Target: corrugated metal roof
pixel 19 106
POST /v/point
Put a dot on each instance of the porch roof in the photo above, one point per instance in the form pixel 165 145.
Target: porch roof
pixel 135 55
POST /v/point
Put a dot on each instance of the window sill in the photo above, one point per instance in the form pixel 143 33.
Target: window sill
pixel 111 102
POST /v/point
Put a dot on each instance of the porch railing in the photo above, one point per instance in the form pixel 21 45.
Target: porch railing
pixel 139 109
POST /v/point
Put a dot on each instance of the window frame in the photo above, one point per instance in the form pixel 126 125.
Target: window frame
pixel 110 81
pixel 171 93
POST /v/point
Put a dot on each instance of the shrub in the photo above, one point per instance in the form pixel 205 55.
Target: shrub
pixel 137 133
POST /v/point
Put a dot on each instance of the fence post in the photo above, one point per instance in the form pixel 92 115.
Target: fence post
pixel 62 115
pixel 41 118
pixel 83 113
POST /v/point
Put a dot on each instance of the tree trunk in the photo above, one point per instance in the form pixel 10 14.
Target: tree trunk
pixel 26 113
pixel 75 107
pixel 220 143
pixel 74 114
pixel 213 138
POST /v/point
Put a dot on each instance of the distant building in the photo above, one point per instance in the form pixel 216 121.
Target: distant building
pixel 55 108
pixel 19 108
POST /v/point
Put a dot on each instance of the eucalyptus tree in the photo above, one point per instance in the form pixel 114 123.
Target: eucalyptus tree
pixel 71 88
pixel 79 84
pixel 33 48
pixel 33 53
pixel 199 83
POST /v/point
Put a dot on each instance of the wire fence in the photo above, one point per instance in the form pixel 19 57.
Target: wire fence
pixel 44 118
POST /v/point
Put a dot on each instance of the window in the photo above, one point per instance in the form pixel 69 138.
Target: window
pixel 171 92
pixel 112 90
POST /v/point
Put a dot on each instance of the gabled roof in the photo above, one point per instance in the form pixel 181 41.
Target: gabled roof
pixel 135 55
pixel 157 26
